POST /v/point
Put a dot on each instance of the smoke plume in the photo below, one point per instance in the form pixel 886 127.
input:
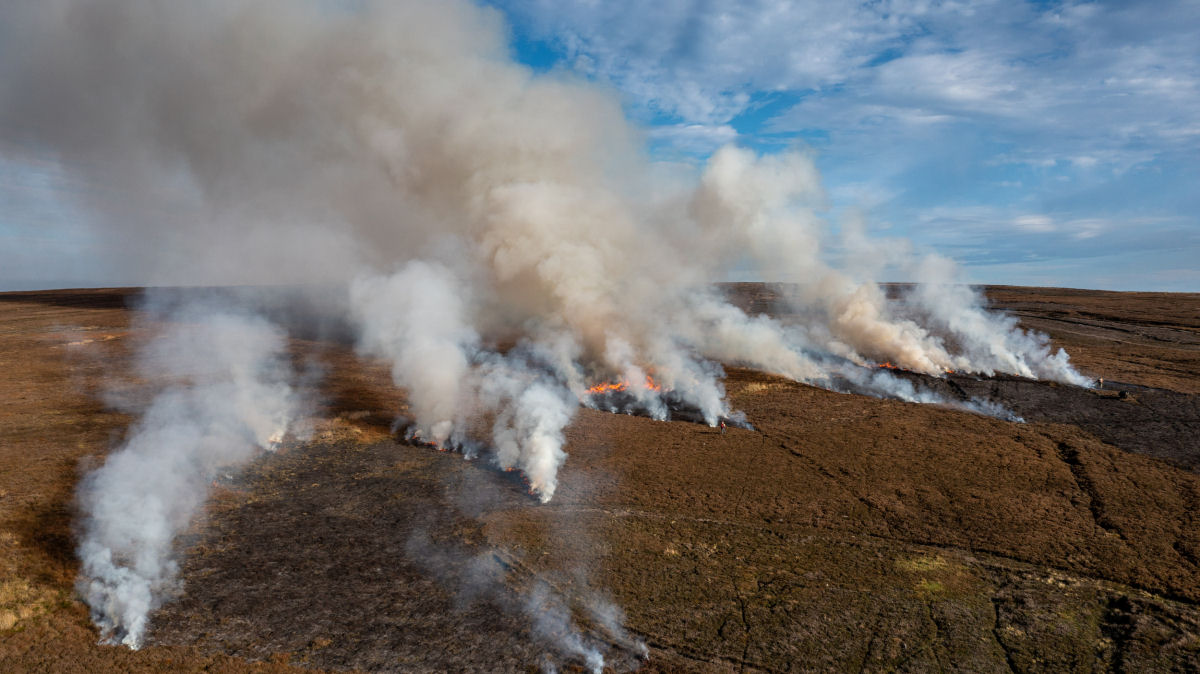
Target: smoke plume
pixel 501 238
pixel 226 396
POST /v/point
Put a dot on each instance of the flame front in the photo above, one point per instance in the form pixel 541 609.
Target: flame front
pixel 623 385
pixel 889 366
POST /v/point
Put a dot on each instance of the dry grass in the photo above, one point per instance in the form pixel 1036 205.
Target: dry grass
pixel 844 532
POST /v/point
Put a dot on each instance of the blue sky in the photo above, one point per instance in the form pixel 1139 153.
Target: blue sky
pixel 1048 143
pixel 1039 143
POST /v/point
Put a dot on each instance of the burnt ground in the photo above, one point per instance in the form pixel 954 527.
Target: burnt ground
pixel 843 533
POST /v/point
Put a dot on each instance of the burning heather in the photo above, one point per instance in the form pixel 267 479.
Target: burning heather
pixel 622 386
pixel 502 240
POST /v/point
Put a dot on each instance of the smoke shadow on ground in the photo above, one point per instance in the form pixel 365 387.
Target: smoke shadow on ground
pixel 84 298
pixel 48 529
pixel 315 313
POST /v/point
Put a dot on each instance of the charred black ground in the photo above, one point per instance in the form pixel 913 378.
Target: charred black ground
pixel 844 533
pixel 1156 422
pixel 367 557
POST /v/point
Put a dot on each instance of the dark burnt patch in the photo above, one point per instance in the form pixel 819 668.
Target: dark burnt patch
pixel 346 556
pixel 1155 422
pixel 673 408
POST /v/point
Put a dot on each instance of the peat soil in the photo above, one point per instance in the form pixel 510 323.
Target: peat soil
pixel 842 533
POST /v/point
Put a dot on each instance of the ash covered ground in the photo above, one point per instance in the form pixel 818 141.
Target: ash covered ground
pixel 844 532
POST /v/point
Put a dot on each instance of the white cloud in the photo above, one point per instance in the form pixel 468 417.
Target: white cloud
pixel 1035 223
pixel 1088 229
pixel 699 59
pixel 1080 81
pixel 697 139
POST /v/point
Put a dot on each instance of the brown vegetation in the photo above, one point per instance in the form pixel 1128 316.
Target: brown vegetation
pixel 843 533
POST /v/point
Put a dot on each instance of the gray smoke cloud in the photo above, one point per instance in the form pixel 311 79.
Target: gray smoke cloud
pixel 500 237
pixel 226 396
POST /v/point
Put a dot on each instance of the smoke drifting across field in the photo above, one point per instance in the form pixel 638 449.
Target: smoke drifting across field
pixel 502 238
pixel 227 394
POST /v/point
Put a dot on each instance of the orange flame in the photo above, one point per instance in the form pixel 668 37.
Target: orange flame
pixel 889 366
pixel 418 441
pixel 623 385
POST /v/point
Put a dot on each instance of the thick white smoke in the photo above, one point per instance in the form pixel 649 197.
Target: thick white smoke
pixel 502 240
pixel 227 395
pixel 418 319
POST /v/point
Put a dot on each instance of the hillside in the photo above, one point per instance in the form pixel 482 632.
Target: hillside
pixel 842 532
